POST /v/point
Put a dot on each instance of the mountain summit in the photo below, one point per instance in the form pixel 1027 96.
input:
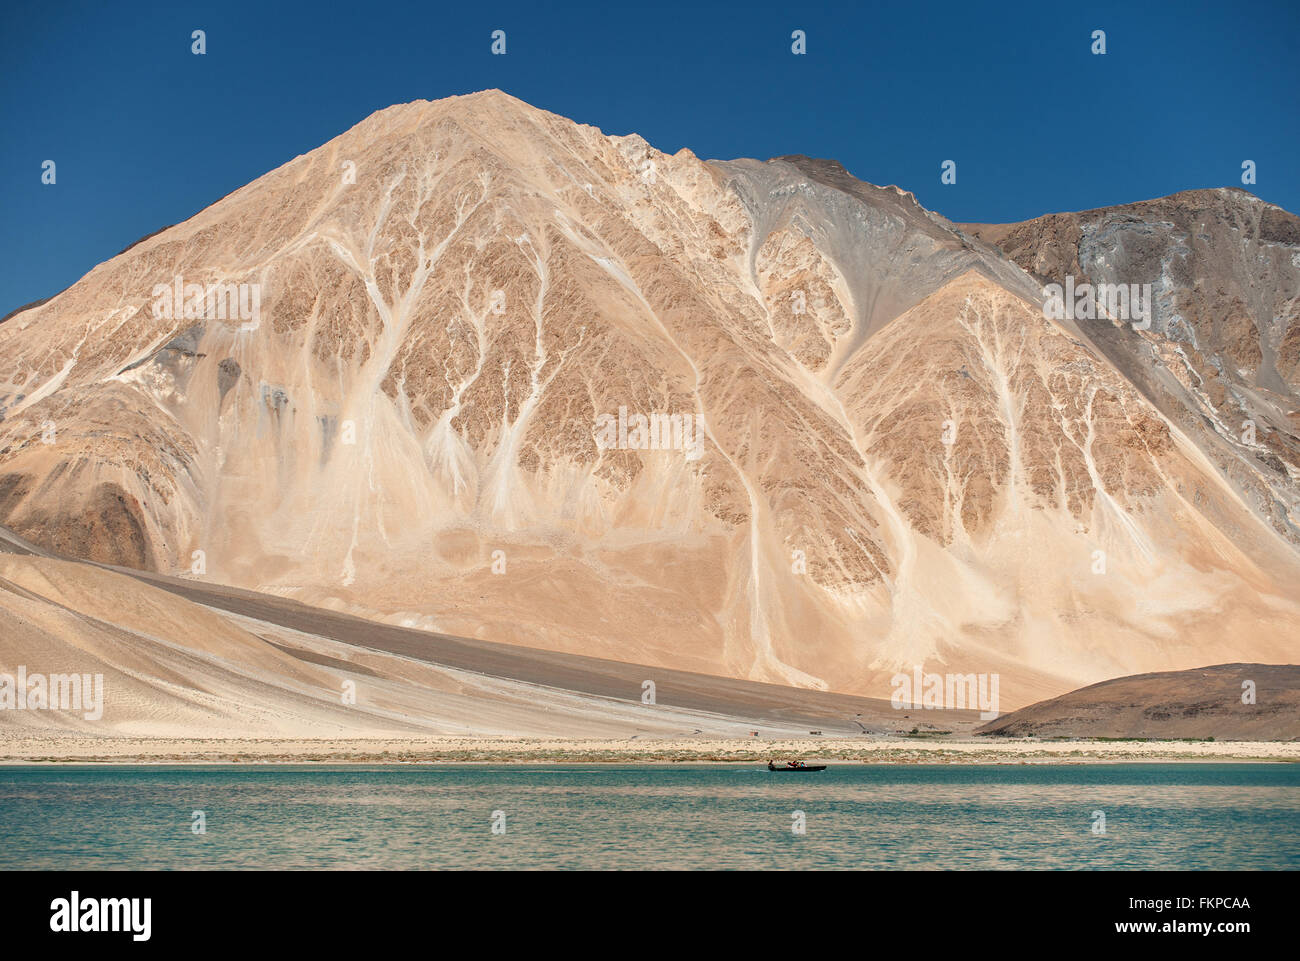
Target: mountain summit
pixel 475 368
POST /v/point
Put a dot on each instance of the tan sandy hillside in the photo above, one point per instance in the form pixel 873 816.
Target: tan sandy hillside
pixel 438 341
pixel 156 665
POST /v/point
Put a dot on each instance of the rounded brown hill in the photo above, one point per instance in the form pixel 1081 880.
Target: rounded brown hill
pixel 1209 702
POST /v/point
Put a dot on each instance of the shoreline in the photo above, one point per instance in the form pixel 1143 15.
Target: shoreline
pixel 308 752
pixel 619 762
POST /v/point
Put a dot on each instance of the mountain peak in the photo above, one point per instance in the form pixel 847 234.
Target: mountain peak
pixel 404 375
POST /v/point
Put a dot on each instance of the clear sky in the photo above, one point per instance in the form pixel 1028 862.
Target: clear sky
pixel 144 133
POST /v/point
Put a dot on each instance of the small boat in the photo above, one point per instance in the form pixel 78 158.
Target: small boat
pixel 795 767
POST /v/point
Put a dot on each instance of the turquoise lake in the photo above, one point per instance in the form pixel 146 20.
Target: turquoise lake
pixel 1157 816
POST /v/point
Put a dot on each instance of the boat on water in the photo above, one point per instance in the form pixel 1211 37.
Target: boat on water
pixel 795 766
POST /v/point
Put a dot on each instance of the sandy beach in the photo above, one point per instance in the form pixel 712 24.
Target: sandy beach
pixel 19 749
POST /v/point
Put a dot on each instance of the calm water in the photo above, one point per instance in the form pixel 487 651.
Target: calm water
pixel 637 816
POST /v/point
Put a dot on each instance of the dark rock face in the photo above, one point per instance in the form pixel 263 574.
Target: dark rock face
pixel 107 527
pixel 228 372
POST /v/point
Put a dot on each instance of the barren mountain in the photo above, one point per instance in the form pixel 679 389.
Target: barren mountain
pixel 884 453
pixel 1221 359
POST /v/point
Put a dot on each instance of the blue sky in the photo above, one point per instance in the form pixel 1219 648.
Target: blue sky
pixel 144 133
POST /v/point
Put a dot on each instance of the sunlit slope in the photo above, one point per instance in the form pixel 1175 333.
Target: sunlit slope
pixel 453 294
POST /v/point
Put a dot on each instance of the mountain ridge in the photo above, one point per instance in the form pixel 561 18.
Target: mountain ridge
pixel 820 339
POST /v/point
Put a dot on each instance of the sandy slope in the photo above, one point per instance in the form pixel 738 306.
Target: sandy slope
pixel 187 667
pixel 259 666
